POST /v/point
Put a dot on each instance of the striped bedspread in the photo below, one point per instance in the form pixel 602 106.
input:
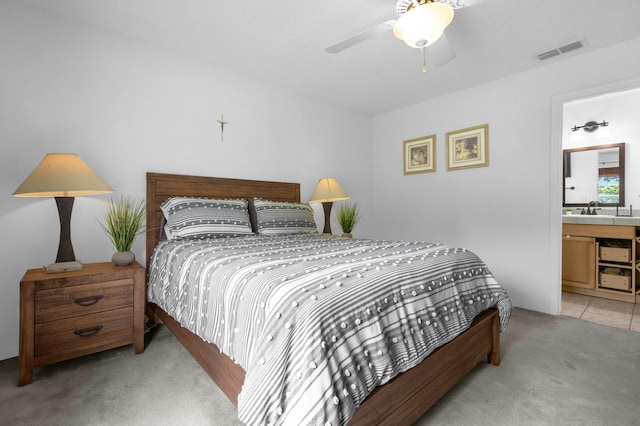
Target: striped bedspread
pixel 318 322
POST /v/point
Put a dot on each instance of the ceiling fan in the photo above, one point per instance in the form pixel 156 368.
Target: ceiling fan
pixel 420 24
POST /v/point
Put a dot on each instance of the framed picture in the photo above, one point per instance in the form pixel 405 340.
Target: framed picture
pixel 419 155
pixel 468 148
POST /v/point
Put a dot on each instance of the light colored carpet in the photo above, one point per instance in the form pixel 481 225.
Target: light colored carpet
pixel 554 371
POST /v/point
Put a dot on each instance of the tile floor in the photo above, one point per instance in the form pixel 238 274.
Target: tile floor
pixel 603 311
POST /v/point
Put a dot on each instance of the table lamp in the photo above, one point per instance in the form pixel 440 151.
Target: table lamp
pixel 63 176
pixel 327 191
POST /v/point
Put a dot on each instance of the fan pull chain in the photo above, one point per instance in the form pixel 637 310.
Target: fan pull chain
pixel 424 60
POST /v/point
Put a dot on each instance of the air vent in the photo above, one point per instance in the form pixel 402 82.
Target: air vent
pixel 569 47
pixel 549 54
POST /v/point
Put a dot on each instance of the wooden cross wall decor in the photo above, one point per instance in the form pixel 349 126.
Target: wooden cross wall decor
pixel 222 123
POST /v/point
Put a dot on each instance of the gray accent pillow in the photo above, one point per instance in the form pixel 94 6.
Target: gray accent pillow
pixel 277 218
pixel 205 218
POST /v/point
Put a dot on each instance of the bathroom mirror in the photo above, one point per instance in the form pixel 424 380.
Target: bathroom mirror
pixel 594 173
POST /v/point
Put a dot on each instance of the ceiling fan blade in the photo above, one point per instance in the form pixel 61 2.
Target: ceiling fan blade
pixel 403 6
pixel 467 3
pixel 440 52
pixel 362 36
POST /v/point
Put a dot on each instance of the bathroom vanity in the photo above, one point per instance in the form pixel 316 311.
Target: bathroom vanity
pixel 600 256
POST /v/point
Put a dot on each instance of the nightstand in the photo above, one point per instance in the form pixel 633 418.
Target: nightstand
pixel 70 314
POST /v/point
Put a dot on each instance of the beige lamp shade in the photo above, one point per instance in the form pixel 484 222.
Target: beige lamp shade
pixel 62 175
pixel 328 189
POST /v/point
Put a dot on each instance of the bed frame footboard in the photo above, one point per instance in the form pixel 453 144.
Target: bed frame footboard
pixel 401 401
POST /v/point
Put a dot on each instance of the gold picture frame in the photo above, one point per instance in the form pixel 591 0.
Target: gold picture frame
pixel 467 148
pixel 419 155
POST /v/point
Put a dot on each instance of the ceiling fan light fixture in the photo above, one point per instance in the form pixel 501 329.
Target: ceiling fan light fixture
pixel 423 25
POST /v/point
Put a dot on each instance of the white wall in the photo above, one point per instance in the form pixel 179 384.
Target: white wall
pixel 510 212
pixel 127 108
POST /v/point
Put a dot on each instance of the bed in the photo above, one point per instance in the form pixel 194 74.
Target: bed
pixel 400 400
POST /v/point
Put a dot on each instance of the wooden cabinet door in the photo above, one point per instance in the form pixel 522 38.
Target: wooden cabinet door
pixel 579 261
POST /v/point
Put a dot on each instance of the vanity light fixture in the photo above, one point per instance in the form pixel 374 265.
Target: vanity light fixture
pixel 603 130
pixel 590 127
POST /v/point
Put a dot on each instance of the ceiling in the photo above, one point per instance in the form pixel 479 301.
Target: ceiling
pixel 282 42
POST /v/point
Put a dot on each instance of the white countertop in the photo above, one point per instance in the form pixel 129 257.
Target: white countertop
pixel 601 219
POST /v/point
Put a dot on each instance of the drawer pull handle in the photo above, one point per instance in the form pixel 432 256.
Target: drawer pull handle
pixel 89 331
pixel 88 301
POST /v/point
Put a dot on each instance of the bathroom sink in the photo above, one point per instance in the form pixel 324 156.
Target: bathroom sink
pixel 601 219
pixel 588 219
pixel 623 220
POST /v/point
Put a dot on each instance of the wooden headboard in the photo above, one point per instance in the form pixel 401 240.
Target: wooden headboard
pixel 161 186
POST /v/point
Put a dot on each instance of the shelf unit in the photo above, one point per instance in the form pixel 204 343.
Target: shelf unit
pixel 616 264
pixel 602 261
pixel 637 269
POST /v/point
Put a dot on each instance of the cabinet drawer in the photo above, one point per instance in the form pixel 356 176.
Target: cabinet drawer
pixel 615 254
pixel 66 302
pixel 617 282
pixel 78 333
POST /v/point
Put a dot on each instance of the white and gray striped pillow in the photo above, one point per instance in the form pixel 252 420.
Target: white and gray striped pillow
pixel 277 218
pixel 205 218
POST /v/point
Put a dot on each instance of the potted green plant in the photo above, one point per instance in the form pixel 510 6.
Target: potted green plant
pixel 123 222
pixel 347 217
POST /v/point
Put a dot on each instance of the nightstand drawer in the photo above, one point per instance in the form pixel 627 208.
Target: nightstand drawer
pixel 82 332
pixel 66 302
